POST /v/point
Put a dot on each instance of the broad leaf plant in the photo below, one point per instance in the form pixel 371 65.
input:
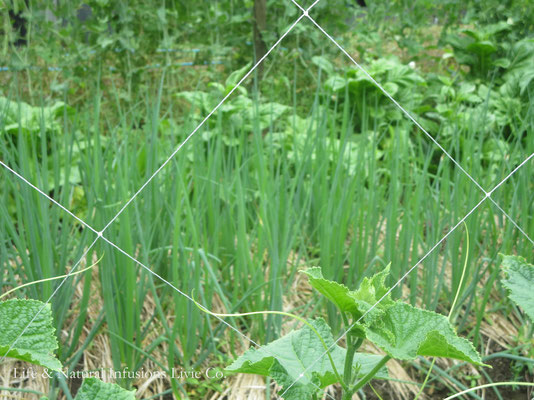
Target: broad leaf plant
pixel 306 361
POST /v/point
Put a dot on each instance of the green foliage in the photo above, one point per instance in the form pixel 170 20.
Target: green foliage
pixel 37 343
pixel 402 331
pixel 239 112
pixel 519 280
pixel 291 172
pixel 518 13
pixel 18 115
pixel 284 359
pixel 403 83
pixel 43 128
pixel 519 76
pixel 478 48
pixel 355 302
pixel 405 332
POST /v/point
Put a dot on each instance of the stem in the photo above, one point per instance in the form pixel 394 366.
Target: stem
pixel 367 377
pixel 358 343
pixel 375 392
pixel 347 373
pixel 349 358
pixel 426 379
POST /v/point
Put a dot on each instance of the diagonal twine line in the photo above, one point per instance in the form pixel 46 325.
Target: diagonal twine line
pixel 100 236
pixel 487 194
pixel 386 93
pixel 100 233
pixel 190 298
pixel 499 207
pixel 411 269
pixel 171 285
pixel 512 221
pixel 48 197
pixel 387 293
pixel 209 115
pixel 85 224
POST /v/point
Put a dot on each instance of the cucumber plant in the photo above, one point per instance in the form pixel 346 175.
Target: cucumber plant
pixel 306 361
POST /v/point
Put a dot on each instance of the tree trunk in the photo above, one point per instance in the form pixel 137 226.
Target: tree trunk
pixel 260 25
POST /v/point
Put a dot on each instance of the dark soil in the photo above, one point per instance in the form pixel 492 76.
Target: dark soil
pixel 501 371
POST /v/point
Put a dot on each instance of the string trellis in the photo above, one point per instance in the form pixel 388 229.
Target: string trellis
pixel 100 234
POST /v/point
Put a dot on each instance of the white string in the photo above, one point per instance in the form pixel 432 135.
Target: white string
pixel 100 236
pixel 513 222
pixel 207 117
pixel 191 299
pixel 100 233
pixel 411 269
pixel 386 93
pixel 487 194
pixel 48 197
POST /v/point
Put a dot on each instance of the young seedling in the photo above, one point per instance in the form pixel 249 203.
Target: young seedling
pixel 306 361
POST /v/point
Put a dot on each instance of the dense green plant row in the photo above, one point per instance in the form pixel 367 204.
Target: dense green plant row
pixel 274 181
pixel 237 205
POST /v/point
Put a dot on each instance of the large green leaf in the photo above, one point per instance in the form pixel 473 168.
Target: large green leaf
pixel 95 389
pixel 38 343
pixel 405 332
pixel 337 293
pixel 301 352
pixel 519 281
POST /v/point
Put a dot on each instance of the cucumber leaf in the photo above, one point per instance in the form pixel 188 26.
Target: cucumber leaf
pixel 337 293
pixel 287 358
pixel 38 343
pixel 519 281
pixel 405 332
pixel 371 291
pixel 356 302
pixel 95 389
